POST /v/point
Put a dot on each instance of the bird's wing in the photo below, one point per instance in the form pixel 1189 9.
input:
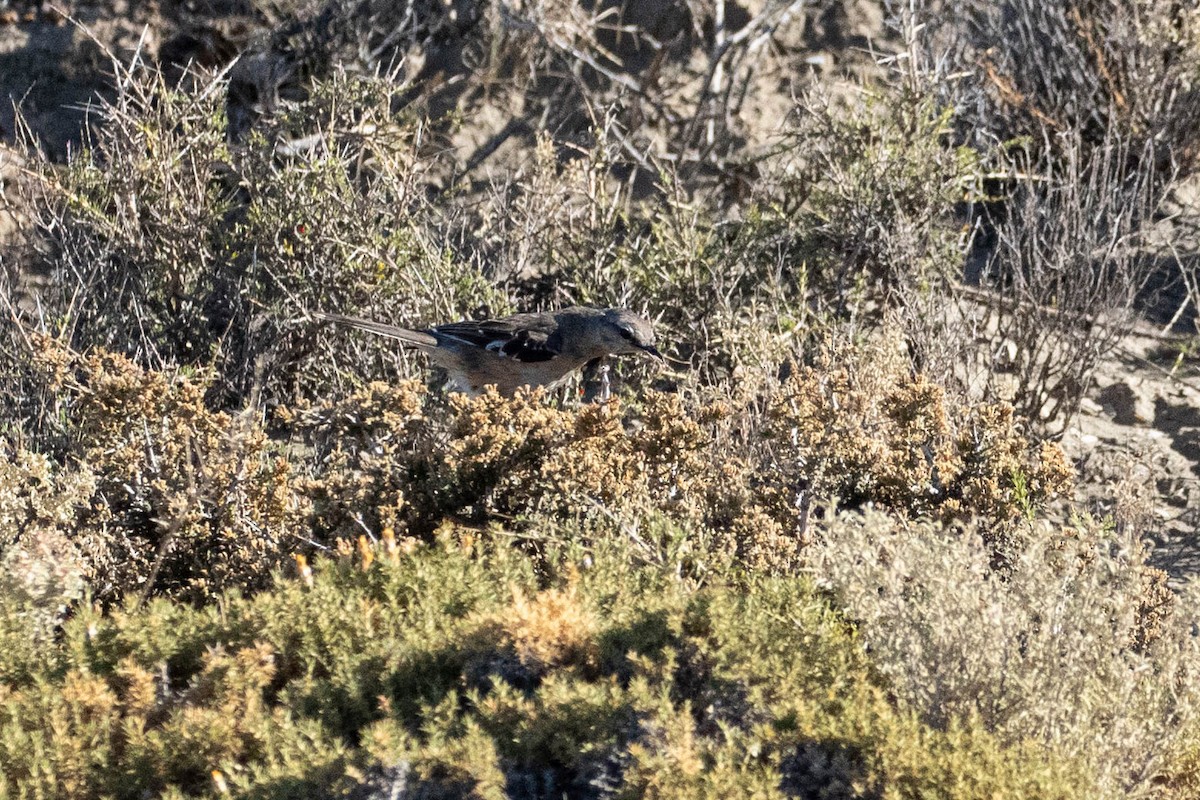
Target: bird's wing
pixel 527 338
pixel 405 335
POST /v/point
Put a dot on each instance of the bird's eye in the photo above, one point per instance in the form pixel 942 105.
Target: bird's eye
pixel 626 333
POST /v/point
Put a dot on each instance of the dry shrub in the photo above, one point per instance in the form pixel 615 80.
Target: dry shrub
pixel 366 452
pixel 186 500
pixel 1085 113
pixel 520 457
pixel 219 247
pixel 1071 646
pixel 42 571
pixel 747 469
pixel 394 458
pixel 1097 67
pixel 167 244
pixel 551 629
pixel 865 430
pixel 381 464
pixel 178 499
pixel 1069 257
pixel 175 498
pixel 670 76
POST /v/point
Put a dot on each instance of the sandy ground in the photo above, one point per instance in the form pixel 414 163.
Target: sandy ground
pixel 1136 445
pixel 1136 440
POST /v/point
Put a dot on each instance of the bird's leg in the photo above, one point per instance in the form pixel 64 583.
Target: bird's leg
pixel 596 383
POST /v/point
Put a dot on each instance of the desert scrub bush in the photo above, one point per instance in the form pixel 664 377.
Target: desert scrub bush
pixel 671 79
pixel 723 293
pixel 169 496
pixel 1071 644
pixel 1097 67
pixel 856 226
pixel 1084 114
pixel 396 458
pixel 461 669
pixel 733 296
pixel 876 182
pixel 42 572
pixel 858 427
pixel 154 490
pixel 851 429
pixel 171 246
pixel 1069 258
pixel 856 211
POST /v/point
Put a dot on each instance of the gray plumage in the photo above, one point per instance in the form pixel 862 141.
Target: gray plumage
pixel 537 349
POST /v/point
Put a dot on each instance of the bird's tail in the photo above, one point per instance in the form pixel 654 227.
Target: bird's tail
pixel 404 335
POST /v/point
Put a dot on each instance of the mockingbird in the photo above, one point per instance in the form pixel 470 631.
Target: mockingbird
pixel 538 349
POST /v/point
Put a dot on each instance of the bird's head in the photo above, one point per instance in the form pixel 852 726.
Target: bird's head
pixel 627 332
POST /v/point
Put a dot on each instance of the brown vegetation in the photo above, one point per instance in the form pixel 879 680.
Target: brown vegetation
pixel 830 550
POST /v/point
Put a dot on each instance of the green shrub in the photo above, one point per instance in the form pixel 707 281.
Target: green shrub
pixel 877 183
pixel 454 670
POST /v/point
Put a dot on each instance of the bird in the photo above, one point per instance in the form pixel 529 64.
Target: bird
pixel 528 349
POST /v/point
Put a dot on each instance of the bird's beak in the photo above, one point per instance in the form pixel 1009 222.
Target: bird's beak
pixel 649 348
